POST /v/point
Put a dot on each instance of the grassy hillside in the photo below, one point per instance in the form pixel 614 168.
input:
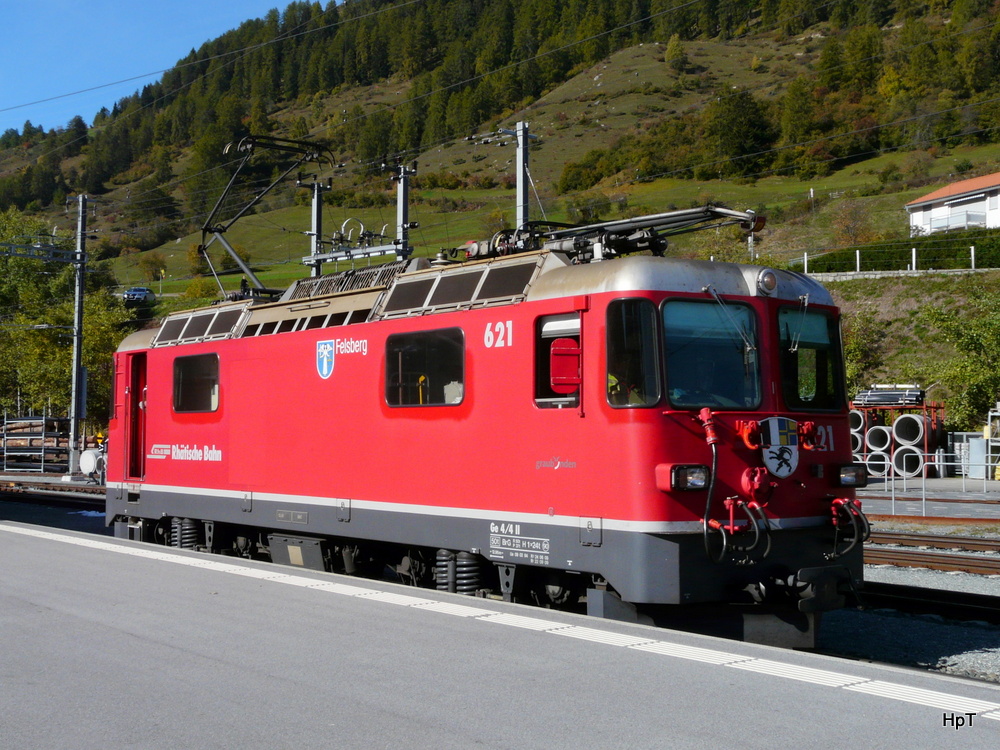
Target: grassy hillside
pixel 449 218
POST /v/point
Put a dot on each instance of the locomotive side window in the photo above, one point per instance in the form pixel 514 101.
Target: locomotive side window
pixel 196 383
pixel 426 368
pixel 633 379
pixel 558 330
pixel 711 352
pixel 811 373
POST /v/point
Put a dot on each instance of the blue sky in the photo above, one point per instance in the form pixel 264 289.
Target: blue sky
pixel 55 48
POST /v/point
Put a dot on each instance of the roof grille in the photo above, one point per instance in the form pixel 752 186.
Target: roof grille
pixel 200 325
pixel 348 281
pixel 461 287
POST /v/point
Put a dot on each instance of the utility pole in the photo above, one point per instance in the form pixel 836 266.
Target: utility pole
pixel 400 247
pixel 523 176
pixel 403 223
pixel 316 245
pixel 78 401
pixel 523 200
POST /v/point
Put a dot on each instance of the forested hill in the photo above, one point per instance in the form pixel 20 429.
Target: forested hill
pixel 825 84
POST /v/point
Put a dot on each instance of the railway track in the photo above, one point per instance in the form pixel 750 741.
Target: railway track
pixel 90 497
pixel 914 498
pixel 952 605
pixel 878 554
pixel 937 541
pixel 933 520
pixel 934 561
pixel 92 494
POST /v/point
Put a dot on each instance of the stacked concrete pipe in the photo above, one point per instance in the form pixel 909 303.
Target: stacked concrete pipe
pixel 857 420
pixel 878 440
pixel 915 440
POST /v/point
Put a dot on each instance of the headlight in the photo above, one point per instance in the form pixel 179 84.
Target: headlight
pixel 853 475
pixel 767 282
pixel 685 477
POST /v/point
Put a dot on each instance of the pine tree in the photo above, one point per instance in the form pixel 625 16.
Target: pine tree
pixel 863 57
pixel 738 135
pixel 797 111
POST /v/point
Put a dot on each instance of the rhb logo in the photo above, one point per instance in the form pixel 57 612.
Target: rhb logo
pixel 324 358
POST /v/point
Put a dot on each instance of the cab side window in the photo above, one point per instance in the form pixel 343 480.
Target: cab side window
pixel 633 374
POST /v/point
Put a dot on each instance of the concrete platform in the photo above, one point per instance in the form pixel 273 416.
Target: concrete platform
pixel 108 643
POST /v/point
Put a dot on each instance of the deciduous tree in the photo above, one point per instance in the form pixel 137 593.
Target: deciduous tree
pixel 974 386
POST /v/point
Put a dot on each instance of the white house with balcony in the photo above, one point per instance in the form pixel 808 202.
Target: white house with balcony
pixel 968 204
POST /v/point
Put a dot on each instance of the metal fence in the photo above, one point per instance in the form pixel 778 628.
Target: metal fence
pixel 942 477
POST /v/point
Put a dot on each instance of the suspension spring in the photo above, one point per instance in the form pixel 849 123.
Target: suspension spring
pixel 445 572
pixel 183 533
pixel 467 573
pixel 189 533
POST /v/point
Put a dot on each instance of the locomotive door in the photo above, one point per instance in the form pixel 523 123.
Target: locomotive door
pixel 135 417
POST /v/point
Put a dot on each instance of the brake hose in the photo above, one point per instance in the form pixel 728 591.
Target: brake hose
pixel 857 532
pixel 708 510
pixel 767 526
pixel 756 529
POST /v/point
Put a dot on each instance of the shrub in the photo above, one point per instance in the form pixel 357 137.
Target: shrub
pixel 201 287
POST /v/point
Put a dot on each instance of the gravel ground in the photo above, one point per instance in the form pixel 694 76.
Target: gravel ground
pixel 967 649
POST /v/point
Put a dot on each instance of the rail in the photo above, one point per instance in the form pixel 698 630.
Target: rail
pixel 953 605
pixel 908 558
pixel 85 495
pixel 930 520
pixel 937 541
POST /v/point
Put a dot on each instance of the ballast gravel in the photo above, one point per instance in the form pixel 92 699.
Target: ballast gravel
pixel 968 649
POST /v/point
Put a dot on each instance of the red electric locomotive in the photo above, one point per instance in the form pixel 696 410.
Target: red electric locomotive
pixel 559 421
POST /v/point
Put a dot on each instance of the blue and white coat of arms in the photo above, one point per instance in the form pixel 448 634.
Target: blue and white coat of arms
pixel 324 358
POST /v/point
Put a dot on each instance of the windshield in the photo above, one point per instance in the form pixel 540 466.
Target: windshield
pixel 633 375
pixel 811 370
pixel 711 352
